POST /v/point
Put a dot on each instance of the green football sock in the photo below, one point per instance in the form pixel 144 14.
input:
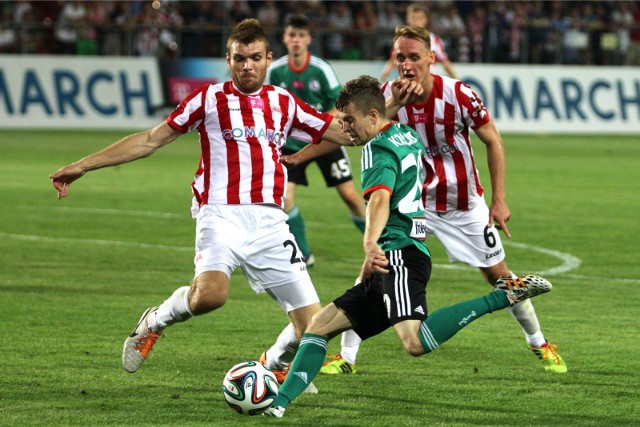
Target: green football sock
pixel 296 225
pixel 446 322
pixel 304 368
pixel 359 222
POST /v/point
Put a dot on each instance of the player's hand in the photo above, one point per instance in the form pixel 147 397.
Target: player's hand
pixel 375 262
pixel 62 178
pixel 289 160
pixel 406 91
pixel 499 215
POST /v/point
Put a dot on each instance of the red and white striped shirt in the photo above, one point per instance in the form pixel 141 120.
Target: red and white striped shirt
pixel 443 122
pixel 241 137
pixel 437 46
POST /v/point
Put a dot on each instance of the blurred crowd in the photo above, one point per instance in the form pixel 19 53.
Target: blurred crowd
pixel 495 31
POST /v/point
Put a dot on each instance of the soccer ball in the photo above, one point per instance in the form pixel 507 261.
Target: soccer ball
pixel 249 388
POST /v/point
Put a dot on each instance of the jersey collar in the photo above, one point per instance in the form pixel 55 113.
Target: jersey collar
pixel 304 66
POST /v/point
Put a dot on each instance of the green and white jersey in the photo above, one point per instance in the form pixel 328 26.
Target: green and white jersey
pixel 316 84
pixel 393 161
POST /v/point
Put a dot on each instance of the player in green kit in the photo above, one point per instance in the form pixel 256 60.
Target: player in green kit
pixel 314 81
pixel 391 288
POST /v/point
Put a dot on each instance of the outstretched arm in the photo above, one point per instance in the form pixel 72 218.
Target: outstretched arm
pixel 308 152
pixel 129 148
pixel 498 210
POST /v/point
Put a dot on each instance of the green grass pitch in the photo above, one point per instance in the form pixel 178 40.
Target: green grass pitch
pixel 76 274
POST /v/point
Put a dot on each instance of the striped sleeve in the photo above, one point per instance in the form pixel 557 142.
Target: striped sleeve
pixel 190 112
pixel 309 124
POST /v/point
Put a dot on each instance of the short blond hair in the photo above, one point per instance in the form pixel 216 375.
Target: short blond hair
pixel 415 33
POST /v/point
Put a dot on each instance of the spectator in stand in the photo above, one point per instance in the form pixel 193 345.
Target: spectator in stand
pixel 99 16
pixel 268 14
pixel 489 39
pixel 621 22
pixel 633 57
pixel 26 17
pixel 516 18
pixel 418 15
pixel 201 19
pixel 8 36
pixel 156 37
pixel 594 22
pixel 388 20
pixel 558 25
pixel 21 9
pixel 121 17
pixel 538 33
pixel 340 18
pixel 366 17
pixel 147 41
pixel 451 26
pixel 575 40
pixel 73 14
pixel 90 34
pixel 239 11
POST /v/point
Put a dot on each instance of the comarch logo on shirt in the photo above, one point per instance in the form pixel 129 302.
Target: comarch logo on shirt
pixel 251 132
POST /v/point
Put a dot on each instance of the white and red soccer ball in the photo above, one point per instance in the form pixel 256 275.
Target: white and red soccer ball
pixel 249 388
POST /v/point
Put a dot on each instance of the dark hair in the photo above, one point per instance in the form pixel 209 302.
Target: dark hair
pixel 364 93
pixel 298 21
pixel 248 31
pixel 413 32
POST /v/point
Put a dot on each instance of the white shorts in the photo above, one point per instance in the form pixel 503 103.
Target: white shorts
pixel 466 236
pixel 257 239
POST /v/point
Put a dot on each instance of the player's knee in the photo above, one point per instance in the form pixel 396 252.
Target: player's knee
pixel 201 303
pixel 203 298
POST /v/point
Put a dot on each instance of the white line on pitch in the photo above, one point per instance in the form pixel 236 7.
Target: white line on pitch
pixel 137 245
pixel 101 211
pixel 569 262
pixel 100 242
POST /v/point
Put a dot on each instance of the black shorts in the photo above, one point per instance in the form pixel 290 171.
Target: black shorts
pixel 335 168
pixel 381 301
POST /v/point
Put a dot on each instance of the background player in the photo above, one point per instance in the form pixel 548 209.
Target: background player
pixel 397 266
pixel 418 15
pixel 314 81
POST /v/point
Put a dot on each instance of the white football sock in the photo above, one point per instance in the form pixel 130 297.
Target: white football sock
pixel 536 340
pixel 350 344
pixel 284 349
pixel 173 310
pixel 525 315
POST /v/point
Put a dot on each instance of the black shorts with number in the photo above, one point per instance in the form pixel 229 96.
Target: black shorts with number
pixel 384 300
pixel 335 168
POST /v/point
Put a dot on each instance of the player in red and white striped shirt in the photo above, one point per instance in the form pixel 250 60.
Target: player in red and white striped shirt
pixel 239 192
pixel 443 111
